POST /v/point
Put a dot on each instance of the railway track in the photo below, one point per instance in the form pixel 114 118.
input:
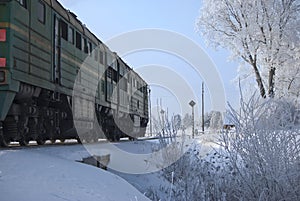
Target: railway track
pixel 48 143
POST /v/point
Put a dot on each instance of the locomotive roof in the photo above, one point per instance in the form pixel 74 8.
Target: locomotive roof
pixel 71 17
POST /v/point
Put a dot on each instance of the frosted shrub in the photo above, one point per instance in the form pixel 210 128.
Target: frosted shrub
pixel 265 150
pixel 195 178
pixel 260 160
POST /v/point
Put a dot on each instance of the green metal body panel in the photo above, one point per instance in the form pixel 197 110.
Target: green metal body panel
pixel 9 88
pixel 6 98
pixel 30 54
pixel 31 45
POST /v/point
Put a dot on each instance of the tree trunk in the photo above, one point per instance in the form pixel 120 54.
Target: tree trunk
pixel 259 81
pixel 271 82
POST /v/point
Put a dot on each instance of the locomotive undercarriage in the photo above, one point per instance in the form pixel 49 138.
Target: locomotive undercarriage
pixel 115 128
pixel 40 115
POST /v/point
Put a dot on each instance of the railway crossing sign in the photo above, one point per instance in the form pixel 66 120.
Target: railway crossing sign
pixel 192 103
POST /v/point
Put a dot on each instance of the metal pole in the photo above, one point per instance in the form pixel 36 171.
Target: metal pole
pixel 150 112
pixel 203 107
pixel 192 104
pixel 193 117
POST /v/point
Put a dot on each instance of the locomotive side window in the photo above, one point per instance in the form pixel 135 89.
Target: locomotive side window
pixel 23 3
pixel 64 29
pixel 78 40
pixel 101 57
pixel 41 12
pixel 102 86
pixel 71 35
pixel 123 84
pixel 109 73
pixel 90 48
pixel 115 76
pixel 109 59
pixel 96 55
pixel 85 46
pixel 140 87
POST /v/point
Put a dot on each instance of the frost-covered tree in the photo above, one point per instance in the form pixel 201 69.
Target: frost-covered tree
pixel 187 120
pixel 289 81
pixel 176 122
pixel 263 33
pixel 216 121
pixel 207 118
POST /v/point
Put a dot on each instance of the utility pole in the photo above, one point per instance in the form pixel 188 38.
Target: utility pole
pixel 203 107
pixel 150 111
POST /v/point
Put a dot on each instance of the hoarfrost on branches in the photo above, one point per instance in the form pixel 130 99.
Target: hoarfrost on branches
pixel 265 150
pixel 264 34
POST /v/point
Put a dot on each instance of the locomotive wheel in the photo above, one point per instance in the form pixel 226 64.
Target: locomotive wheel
pixel 117 138
pixel 110 139
pixel 95 139
pixel 79 141
pixel 40 141
pixel 131 138
pixel 3 141
pixel 89 140
pixel 24 142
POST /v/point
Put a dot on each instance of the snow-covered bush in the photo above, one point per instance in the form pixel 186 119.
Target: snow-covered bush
pixel 172 146
pixel 259 161
pixel 195 178
pixel 216 121
pixel 265 150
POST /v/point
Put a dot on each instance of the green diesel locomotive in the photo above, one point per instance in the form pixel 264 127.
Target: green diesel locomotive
pixel 59 81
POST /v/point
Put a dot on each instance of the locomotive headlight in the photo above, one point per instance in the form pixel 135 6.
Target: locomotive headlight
pixel 2 35
pixel 2 76
pixel 2 62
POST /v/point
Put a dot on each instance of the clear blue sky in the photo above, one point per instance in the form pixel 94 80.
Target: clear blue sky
pixel 107 19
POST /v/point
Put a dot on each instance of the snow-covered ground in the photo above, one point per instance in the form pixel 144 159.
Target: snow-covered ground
pixel 52 173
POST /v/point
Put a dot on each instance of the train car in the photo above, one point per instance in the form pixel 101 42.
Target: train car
pixel 59 81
